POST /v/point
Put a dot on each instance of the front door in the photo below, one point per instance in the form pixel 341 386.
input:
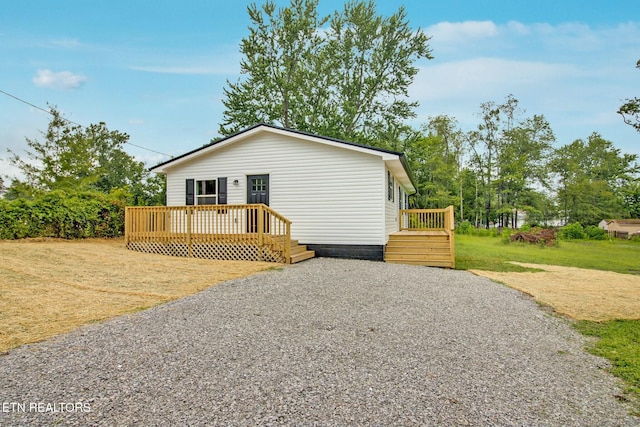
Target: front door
pixel 257 192
pixel 258 189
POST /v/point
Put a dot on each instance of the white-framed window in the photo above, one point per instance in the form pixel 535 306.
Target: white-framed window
pixel 206 193
pixel 390 186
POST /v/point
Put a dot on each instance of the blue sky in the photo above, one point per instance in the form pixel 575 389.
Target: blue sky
pixel 156 70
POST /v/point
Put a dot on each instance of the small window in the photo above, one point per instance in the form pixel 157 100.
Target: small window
pixel 206 192
pixel 390 186
pixel 400 198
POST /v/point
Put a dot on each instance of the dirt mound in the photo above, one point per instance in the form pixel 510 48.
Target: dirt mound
pixel 545 236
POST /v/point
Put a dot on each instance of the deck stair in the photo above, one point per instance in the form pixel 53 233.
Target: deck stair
pixel 300 252
pixel 425 238
pixel 428 248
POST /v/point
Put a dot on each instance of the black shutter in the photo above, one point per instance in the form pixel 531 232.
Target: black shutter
pixel 191 192
pixel 222 191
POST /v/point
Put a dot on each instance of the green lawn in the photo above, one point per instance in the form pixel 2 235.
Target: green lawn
pixel 619 340
pixel 491 253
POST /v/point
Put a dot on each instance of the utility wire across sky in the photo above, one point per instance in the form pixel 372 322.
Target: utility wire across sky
pixel 77 124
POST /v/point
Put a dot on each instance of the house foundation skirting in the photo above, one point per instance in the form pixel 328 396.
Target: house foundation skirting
pixel 366 252
pixel 221 251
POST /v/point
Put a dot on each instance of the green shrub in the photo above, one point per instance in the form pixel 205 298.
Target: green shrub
pixel 595 233
pixel 16 219
pixel 525 228
pixel 505 235
pixel 465 227
pixel 64 215
pixel 482 232
pixel 572 232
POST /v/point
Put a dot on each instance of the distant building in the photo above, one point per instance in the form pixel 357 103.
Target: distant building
pixel 620 227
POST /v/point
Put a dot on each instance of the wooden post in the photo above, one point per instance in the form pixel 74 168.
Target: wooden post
pixel 450 227
pixel 127 227
pixel 189 247
pixel 287 243
pixel 167 222
pixel 260 220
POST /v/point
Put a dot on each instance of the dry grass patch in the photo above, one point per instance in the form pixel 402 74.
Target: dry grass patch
pixel 580 293
pixel 50 286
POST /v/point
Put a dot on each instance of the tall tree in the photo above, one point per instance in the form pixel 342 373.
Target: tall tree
pixel 372 62
pixel 436 160
pixel 348 80
pixel 631 196
pixel 523 166
pixel 592 178
pixel 630 110
pixel 72 157
pixel 278 62
pixel 484 143
pixel 509 156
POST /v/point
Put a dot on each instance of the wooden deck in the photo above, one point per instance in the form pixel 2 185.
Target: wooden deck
pixel 232 232
pixel 425 238
pixel 255 232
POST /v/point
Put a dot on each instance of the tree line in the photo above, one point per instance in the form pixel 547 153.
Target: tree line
pixel 510 163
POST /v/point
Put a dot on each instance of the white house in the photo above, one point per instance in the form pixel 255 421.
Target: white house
pixel 342 198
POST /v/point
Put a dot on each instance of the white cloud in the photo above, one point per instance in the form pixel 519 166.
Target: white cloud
pixel 459 79
pixel 223 59
pixel 518 28
pixel 574 74
pixel 519 39
pixel 66 43
pixel 461 32
pixel 61 80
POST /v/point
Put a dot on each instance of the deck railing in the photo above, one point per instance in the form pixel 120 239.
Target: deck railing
pixel 431 221
pixel 251 232
pixel 427 219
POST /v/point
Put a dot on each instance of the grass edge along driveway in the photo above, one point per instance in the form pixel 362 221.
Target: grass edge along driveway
pixel 618 340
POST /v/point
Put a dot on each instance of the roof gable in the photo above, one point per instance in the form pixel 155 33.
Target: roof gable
pixel 395 161
pixel 243 134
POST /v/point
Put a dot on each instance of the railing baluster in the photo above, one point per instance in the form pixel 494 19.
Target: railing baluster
pixel 426 219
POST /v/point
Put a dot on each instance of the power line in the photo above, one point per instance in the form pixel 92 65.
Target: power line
pixel 77 124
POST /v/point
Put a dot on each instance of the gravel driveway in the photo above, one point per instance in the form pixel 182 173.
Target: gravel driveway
pixel 324 342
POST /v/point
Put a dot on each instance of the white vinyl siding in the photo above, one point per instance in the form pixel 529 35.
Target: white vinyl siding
pixel 332 195
pixel 391 206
